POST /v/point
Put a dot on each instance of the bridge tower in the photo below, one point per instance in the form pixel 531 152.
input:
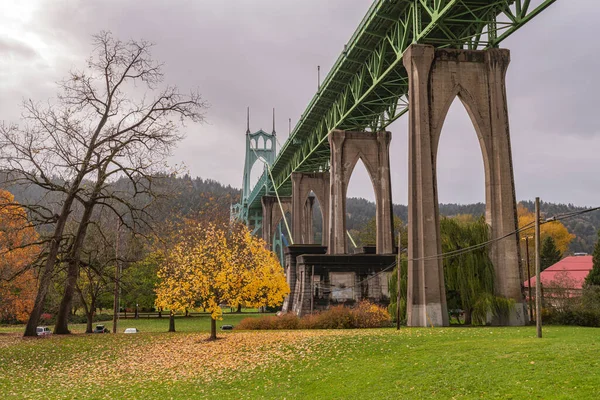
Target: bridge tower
pixel 478 79
pixel 260 147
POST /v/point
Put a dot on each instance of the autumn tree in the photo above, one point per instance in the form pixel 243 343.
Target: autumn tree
pixel 593 278
pixel 214 266
pixel 554 229
pixel 549 253
pixel 113 119
pixel 18 251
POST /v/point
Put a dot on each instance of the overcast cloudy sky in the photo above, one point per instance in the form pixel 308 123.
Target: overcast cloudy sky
pixel 264 53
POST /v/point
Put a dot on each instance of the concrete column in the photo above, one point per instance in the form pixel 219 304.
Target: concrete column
pixel 267 206
pixel 373 149
pixel 383 196
pixel 297 207
pixel 337 199
pixel 477 78
pixel 501 204
pixel 426 294
pixel 302 185
pixel 307 221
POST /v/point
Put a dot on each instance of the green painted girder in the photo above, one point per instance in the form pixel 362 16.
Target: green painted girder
pixel 367 88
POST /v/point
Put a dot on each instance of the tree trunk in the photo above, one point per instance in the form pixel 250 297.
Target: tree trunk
pixel 172 322
pixel 213 328
pixel 90 320
pixel 468 319
pixel 239 309
pixel 46 278
pixel 62 318
pixel 160 312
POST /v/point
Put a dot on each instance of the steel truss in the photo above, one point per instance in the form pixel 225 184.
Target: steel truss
pixel 367 87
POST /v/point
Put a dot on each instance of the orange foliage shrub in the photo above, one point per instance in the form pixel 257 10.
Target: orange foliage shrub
pixel 364 315
pixel 18 285
pixel 285 321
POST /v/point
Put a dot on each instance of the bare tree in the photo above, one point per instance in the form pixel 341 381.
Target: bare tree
pixel 109 122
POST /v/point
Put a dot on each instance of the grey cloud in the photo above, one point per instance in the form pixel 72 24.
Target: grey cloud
pixel 264 54
pixel 16 49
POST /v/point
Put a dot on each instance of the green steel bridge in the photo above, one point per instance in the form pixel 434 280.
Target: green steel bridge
pixel 367 87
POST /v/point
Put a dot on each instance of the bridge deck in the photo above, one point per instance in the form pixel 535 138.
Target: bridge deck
pixel 367 87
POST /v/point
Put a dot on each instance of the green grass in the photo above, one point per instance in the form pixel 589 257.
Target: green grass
pixel 182 324
pixel 507 363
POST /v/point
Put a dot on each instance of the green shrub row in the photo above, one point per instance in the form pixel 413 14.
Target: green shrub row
pixel 581 310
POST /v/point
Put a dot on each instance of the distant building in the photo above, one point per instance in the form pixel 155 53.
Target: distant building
pixel 564 279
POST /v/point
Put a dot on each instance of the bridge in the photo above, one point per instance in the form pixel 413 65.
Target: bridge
pixel 406 56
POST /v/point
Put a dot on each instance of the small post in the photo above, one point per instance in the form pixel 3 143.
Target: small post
pixel 312 290
pixel 290 126
pixel 318 77
pixel 529 278
pixel 117 300
pixel 398 267
pixel 538 283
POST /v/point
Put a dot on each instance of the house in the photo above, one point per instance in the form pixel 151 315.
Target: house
pixel 570 270
pixel 564 279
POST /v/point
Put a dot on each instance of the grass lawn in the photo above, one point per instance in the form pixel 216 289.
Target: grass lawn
pixel 354 364
pixel 182 324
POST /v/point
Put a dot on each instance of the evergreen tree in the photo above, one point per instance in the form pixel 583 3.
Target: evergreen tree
pixel 593 277
pixel 549 254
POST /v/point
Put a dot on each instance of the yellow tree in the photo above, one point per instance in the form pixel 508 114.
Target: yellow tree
pixel 17 252
pixel 556 230
pixel 214 266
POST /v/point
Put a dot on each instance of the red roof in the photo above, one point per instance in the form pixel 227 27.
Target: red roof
pixel 570 271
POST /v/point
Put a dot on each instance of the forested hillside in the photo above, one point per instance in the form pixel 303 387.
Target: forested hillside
pixel 189 196
pixel 584 227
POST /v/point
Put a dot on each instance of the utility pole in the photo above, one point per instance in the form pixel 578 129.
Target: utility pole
pixel 538 282
pixel 116 309
pixel 529 278
pixel 398 265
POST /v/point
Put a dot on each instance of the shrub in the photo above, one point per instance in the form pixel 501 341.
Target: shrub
pixel 363 315
pixel 285 321
pixel 368 315
pixel 582 311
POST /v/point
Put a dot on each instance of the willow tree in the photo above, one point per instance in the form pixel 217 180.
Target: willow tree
pixel 211 266
pixel 469 276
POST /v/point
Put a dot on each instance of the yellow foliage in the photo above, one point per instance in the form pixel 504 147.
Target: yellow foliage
pixel 554 229
pixel 211 266
pixel 17 281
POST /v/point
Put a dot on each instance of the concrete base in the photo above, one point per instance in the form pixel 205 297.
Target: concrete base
pixel 517 317
pixel 325 280
pixel 432 314
pixel 291 254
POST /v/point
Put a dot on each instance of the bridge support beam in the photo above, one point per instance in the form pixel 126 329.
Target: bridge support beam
pixel 373 148
pixel 272 216
pixel 477 78
pixel 302 205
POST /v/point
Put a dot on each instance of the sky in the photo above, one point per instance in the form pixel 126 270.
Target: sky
pixel 265 53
